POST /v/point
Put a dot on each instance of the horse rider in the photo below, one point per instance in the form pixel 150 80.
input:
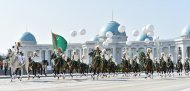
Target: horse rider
pixel 20 56
pixel 134 62
pixel 179 59
pixel 148 54
pixel 82 58
pixel 186 65
pixel 170 59
pixel 75 56
pixel 97 53
pixel 124 56
pixel 111 58
pixel 162 57
pixel 34 57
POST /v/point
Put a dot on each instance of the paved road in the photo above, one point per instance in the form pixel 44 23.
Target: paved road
pixel 107 84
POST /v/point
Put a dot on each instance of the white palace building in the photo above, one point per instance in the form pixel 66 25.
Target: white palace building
pixel 179 46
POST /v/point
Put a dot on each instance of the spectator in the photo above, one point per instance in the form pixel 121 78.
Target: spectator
pixel 1 65
pixel 6 67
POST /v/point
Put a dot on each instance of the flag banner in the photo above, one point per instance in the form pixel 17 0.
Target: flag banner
pixel 59 42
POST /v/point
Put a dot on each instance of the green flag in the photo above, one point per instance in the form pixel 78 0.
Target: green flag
pixel 59 42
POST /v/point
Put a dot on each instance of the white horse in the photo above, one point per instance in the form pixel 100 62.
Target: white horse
pixel 14 64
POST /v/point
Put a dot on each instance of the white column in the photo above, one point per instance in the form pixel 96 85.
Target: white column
pixel 176 54
pixel 46 55
pixel 80 55
pixel 183 53
pixel 88 57
pixel 114 54
pixel 153 53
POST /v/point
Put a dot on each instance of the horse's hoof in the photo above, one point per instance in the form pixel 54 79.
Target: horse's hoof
pixel 58 78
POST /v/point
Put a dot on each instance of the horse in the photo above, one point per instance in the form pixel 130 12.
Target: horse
pixel 44 66
pixel 157 67
pixel 125 66
pixel 163 67
pixel 14 63
pixel 83 68
pixel 179 67
pixel 148 64
pixel 96 64
pixel 35 67
pixel 73 65
pixel 186 66
pixel 56 64
pixel 112 67
pixel 135 67
pixel 170 67
pixel 104 66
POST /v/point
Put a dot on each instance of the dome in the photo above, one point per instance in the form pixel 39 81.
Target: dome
pixel 112 26
pixel 28 37
pixel 186 31
pixel 96 38
pixel 143 36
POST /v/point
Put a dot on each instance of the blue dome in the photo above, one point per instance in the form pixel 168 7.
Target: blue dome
pixel 28 37
pixel 96 38
pixel 112 26
pixel 186 31
pixel 143 36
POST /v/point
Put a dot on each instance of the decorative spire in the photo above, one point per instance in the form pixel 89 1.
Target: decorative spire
pixel 26 28
pixel 112 15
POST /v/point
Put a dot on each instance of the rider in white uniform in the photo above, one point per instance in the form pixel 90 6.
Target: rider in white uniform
pixel 21 58
pixel 75 56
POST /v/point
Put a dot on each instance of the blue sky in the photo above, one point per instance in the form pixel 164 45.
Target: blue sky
pixel 63 16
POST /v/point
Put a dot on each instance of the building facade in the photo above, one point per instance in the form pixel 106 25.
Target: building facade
pixel 175 47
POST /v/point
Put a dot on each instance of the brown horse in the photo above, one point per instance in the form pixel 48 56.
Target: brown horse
pixel 96 64
pixel 149 68
pixel 125 66
pixel 148 64
pixel 57 64
pixel 35 67
pixel 179 67
pixel 73 66
pixel 104 66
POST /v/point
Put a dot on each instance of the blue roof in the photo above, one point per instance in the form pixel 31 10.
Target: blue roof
pixel 29 37
pixel 143 36
pixel 112 26
pixel 186 31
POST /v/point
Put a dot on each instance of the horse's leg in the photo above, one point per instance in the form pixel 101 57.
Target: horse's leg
pixel 45 70
pixel 21 70
pixel 12 73
pixel 27 71
pixel 58 72
pixel 71 71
